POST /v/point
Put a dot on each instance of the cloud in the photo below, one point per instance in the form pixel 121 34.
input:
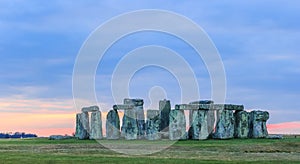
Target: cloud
pixel 20 104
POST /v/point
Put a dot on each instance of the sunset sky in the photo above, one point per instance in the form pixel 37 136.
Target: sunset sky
pixel 258 42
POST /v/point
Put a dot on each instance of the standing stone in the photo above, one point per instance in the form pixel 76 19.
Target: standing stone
pixel 225 125
pixel 164 109
pixel 211 121
pixel 198 129
pixel 258 128
pixel 210 115
pixel 241 124
pixel 177 125
pixel 79 126
pixel 96 125
pixel 112 125
pixel 85 123
pixel 81 132
pixel 130 127
pixel 152 125
pixel 140 117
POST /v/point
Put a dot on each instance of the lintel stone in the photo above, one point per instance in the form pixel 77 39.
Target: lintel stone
pixel 192 106
pixel 135 102
pixel 90 109
pixel 202 102
pixel 123 107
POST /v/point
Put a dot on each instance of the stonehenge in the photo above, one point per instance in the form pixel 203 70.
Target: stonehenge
pixel 83 128
pixel 197 120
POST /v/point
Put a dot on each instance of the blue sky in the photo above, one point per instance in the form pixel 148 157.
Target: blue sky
pixel 257 41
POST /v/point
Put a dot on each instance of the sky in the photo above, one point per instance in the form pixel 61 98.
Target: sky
pixel 257 42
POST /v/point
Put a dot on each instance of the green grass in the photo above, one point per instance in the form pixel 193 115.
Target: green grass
pixel 41 150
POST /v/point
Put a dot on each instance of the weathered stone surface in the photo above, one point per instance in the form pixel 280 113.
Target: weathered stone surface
pixel 275 136
pixel 85 121
pixel 198 129
pixel 177 127
pixel 134 118
pixel 152 125
pixel 241 129
pixel 206 105
pixel 227 107
pixel 129 128
pixel 96 125
pixel 202 102
pixel 59 137
pixel 123 107
pixel 140 117
pixel 194 106
pixel 79 126
pixel 164 109
pixel 258 128
pixel 210 121
pixel 81 132
pixel 90 109
pixel 135 102
pixel 112 125
pixel 209 107
pixel 233 107
pixel 225 125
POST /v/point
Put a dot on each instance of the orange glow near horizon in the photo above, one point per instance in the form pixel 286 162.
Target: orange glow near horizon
pixel 53 124
pixel 50 117
pixel 40 124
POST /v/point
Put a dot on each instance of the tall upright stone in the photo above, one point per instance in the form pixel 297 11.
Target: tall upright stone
pixel 96 125
pixel 225 125
pixel 112 125
pixel 152 125
pixel 81 132
pixel 129 128
pixel 140 117
pixel 241 129
pixel 211 118
pixel 210 115
pixel 85 123
pixel 198 129
pixel 177 127
pixel 78 125
pixel 258 128
pixel 164 109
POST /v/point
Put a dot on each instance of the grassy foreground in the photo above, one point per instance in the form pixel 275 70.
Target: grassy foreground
pixel 42 150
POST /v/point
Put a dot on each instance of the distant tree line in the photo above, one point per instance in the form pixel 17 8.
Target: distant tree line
pixel 17 135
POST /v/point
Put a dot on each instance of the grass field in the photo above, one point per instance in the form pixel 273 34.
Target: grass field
pixel 42 150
